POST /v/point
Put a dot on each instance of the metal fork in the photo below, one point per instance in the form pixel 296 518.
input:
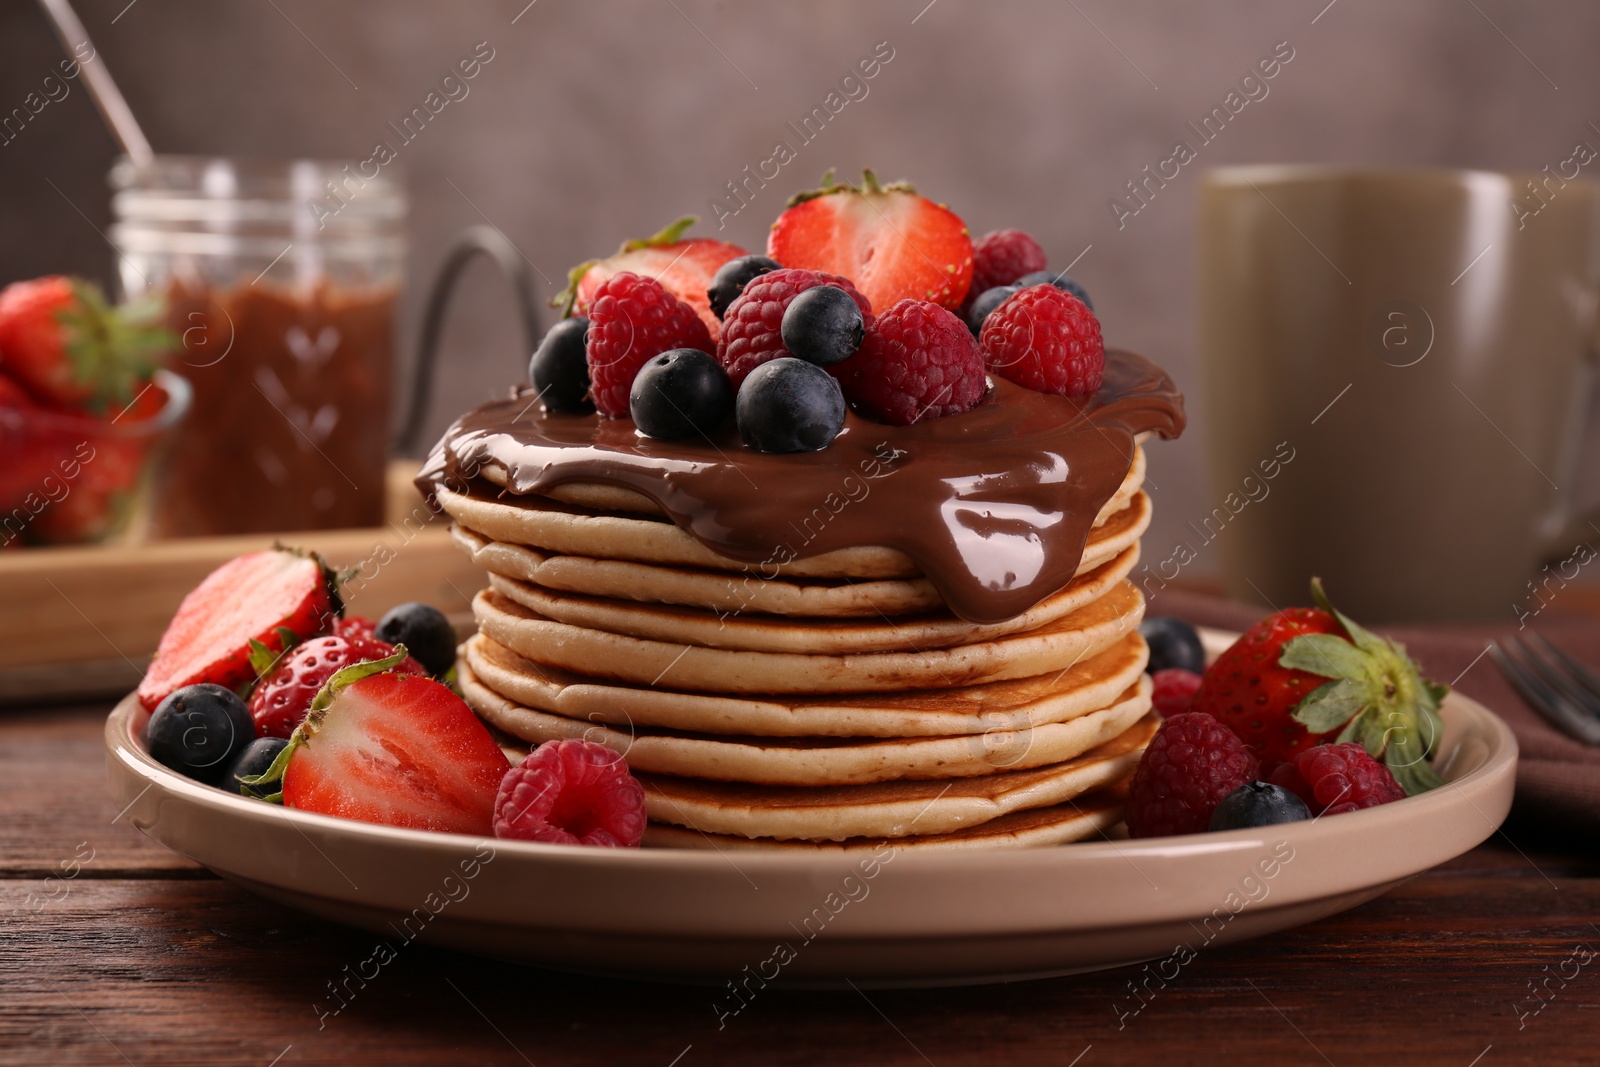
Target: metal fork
pixel 1557 686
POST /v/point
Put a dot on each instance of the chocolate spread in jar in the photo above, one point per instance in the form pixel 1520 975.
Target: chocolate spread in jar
pixel 290 422
pixel 994 505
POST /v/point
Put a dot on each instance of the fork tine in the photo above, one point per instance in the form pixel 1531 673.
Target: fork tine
pixel 1554 708
pixel 1532 688
pixel 1551 672
pixel 1575 670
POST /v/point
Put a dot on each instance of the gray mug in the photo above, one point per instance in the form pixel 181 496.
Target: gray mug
pixel 1419 344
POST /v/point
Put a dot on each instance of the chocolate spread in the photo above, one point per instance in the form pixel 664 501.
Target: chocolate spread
pixel 994 504
pixel 289 426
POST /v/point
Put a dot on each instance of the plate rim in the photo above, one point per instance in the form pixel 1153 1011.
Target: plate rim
pixel 122 745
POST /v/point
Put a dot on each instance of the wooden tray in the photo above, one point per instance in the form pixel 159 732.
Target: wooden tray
pixel 84 621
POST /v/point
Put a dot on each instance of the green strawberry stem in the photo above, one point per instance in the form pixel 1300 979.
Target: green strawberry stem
pixel 308 727
pixel 112 350
pixel 672 233
pixel 1376 694
pixel 263 660
pixel 870 185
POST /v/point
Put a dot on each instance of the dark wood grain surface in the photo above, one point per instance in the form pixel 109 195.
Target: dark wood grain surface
pixel 114 950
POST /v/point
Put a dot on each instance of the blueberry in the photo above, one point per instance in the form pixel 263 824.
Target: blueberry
pixel 987 301
pixel 823 325
pixel 1258 804
pixel 1060 281
pixel 426 633
pixel 199 729
pixel 1173 643
pixel 559 369
pixel 732 277
pixel 680 393
pixel 255 759
pixel 789 405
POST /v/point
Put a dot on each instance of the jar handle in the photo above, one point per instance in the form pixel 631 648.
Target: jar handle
pixel 474 240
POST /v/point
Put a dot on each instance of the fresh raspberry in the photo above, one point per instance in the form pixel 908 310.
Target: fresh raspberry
pixel 1333 779
pixel 355 626
pixel 1000 258
pixel 283 697
pixel 1047 340
pixel 917 361
pixel 632 319
pixel 1192 763
pixel 750 329
pixel 571 792
pixel 1172 691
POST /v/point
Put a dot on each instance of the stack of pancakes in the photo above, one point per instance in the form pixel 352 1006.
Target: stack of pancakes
pixel 832 701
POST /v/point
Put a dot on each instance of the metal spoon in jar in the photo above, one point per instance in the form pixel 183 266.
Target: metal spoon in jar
pixel 107 97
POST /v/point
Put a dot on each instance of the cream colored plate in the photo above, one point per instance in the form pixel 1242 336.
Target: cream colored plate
pixel 878 918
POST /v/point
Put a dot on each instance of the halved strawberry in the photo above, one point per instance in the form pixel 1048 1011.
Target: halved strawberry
pixel 274 598
pixel 394 749
pixel 683 267
pixel 894 244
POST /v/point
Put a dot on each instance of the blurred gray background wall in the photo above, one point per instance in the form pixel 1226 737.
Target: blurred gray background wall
pixel 594 122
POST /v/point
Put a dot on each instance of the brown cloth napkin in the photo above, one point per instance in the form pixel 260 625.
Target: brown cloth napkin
pixel 1558 777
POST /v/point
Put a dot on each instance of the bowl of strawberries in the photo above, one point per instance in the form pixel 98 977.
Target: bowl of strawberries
pixel 84 406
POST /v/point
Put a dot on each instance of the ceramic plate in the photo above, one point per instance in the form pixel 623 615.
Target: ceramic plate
pixel 884 918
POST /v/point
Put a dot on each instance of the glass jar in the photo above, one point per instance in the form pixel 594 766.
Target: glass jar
pixel 281 279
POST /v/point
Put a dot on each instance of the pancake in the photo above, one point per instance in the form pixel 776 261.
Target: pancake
pixel 1052 647
pixel 888 809
pixel 779 633
pixel 1021 703
pixel 749 591
pixel 570 530
pixel 566 529
pixel 711 590
pixel 811 761
pixel 1074 820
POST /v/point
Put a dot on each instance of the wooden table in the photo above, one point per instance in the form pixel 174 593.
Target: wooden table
pixel 114 950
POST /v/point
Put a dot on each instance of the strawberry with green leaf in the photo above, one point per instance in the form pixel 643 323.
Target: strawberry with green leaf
pixel 1305 676
pixel 685 268
pixel 70 348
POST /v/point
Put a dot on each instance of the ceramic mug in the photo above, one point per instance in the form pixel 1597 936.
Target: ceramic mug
pixel 1419 343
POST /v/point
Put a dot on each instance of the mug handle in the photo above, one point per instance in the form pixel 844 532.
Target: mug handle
pixel 473 241
pixel 1572 526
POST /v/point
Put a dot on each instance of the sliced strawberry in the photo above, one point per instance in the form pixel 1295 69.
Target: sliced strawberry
pixel 274 598
pixel 894 244
pixel 394 749
pixel 683 267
